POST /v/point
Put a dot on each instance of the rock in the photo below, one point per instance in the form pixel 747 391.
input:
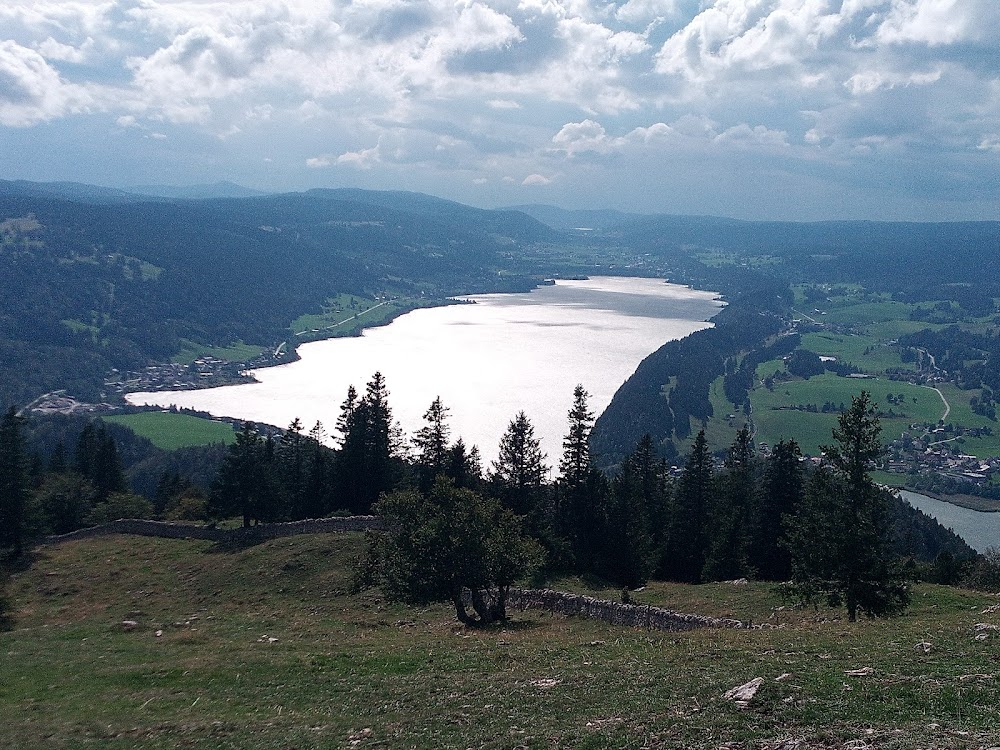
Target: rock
pixel 545 683
pixel 863 672
pixel 743 694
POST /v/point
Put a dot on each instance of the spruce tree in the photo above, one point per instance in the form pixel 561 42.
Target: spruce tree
pixel 839 539
pixel 582 491
pixel 370 447
pixel 783 489
pixel 628 544
pixel 689 514
pixel 13 482
pixel 732 514
pixel 575 463
pixel 519 471
pixel 431 443
pixel 245 484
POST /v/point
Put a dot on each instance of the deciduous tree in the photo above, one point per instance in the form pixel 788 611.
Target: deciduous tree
pixel 438 545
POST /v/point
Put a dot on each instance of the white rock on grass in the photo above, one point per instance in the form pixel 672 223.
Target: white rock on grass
pixel 743 694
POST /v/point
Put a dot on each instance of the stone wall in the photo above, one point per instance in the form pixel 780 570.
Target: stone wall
pixel 247 535
pixel 615 613
pixel 557 602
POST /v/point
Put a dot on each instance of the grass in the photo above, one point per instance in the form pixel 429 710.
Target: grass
pixel 236 352
pixel 865 352
pixel 775 421
pixel 171 431
pixel 347 315
pixel 349 670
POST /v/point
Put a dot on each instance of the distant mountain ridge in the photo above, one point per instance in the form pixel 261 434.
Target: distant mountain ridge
pixel 222 189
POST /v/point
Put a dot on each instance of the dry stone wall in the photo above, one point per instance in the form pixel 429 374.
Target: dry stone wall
pixel 245 535
pixel 557 602
pixel 615 613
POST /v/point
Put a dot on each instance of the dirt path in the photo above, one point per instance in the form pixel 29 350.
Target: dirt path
pixel 947 406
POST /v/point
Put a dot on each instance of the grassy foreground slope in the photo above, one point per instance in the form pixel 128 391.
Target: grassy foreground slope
pixel 265 648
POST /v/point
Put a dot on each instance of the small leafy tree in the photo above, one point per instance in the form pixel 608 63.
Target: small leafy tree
pixel 839 539
pixel 453 540
pixel 119 505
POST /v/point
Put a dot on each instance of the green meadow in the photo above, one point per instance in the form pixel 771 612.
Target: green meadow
pixel 266 647
pixel 170 431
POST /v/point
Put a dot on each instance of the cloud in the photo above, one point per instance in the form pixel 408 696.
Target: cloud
pixel 536 179
pixel 31 91
pixel 585 90
pixel 990 143
pixel 644 11
pixel 364 159
pixel 940 22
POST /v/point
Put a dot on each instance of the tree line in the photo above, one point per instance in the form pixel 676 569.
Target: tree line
pixel 455 525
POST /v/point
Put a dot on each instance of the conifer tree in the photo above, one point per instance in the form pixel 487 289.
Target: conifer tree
pixel 628 544
pixel 782 494
pixel 582 491
pixel 431 443
pixel 519 470
pixel 688 518
pixel 13 482
pixel 839 539
pixel 732 514
pixel 464 467
pixel 370 446
pixel 245 484
pixel 575 463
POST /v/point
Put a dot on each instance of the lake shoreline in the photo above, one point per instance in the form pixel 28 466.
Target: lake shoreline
pixel 487 361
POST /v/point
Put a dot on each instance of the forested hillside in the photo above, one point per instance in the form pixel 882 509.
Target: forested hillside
pixel 107 280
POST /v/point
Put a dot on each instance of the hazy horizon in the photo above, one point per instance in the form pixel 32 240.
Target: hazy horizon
pixel 751 109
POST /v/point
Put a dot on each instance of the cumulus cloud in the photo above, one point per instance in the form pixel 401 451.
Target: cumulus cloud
pixel 536 179
pixel 589 136
pixel 364 159
pixel 451 90
pixel 31 91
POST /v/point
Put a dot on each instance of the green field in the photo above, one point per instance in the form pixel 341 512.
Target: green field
pixel 236 352
pixel 868 353
pixel 775 421
pixel 347 315
pixel 170 431
pixel 265 648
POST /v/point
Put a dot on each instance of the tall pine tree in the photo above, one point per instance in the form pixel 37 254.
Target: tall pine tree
pixel 13 482
pixel 839 539
pixel 688 518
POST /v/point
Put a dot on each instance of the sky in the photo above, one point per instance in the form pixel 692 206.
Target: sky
pixel 758 109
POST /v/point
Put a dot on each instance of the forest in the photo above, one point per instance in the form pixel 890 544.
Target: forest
pixel 459 525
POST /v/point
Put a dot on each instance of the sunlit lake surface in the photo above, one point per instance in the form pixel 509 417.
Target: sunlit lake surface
pixel 487 361
pixel 980 530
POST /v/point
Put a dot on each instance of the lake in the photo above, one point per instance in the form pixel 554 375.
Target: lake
pixel 980 530
pixel 487 361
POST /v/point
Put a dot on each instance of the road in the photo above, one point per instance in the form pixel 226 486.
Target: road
pixel 346 320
